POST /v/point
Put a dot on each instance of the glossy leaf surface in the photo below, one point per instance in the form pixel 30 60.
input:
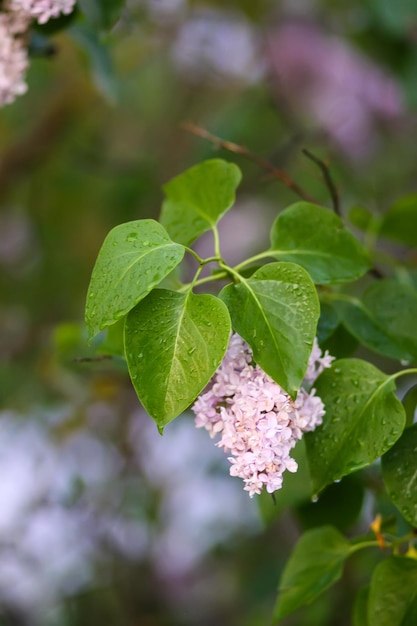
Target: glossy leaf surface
pixel 197 199
pixel 134 259
pixel 363 419
pixel 316 238
pixel 399 467
pixel 174 343
pixel 276 311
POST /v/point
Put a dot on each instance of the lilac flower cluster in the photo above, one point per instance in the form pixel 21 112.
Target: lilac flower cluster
pixel 257 420
pixel 15 17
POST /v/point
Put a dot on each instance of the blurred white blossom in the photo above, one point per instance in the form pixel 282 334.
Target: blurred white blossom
pixel 41 10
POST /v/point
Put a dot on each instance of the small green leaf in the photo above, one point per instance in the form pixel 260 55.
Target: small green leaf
pixel 315 564
pixel 393 591
pixel 360 608
pixel 316 239
pixel 133 259
pixel 399 468
pixel 384 320
pixel 363 420
pixel 276 312
pixel 198 198
pixel 362 218
pixel 174 343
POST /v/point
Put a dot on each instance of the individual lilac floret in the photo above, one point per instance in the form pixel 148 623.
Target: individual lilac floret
pixel 317 363
pixel 256 419
pixel 13 57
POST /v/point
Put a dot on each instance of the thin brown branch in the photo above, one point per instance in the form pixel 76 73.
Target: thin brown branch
pixel 92 359
pixel 327 179
pixel 255 158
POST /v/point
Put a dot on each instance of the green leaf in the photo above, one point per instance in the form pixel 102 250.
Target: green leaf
pixel 410 403
pixel 276 312
pixel 393 591
pixel 384 320
pixel 133 259
pixel 102 13
pixel 400 221
pixel 316 239
pixel 315 564
pixel 174 343
pixel 399 468
pixel 328 322
pixel 198 198
pixel 363 420
pixel 360 608
pixel 363 219
pixel 99 58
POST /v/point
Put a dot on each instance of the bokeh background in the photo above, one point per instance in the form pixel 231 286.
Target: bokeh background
pixel 102 521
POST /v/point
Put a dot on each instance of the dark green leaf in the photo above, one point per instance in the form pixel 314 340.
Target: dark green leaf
pixel 276 312
pixel 198 198
pixel 174 343
pixel 360 608
pixel 384 320
pixel 399 466
pixel 99 58
pixel 328 322
pixel 315 564
pixel 133 259
pixel 316 239
pixel 393 591
pixel 410 403
pixel 363 420
pixel 400 221
pixel 102 13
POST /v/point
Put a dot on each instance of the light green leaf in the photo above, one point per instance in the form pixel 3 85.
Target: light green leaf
pixel 393 592
pixel 174 343
pixel 399 468
pixel 400 221
pixel 363 420
pixel 276 311
pixel 315 564
pixel 384 320
pixel 133 259
pixel 317 239
pixel 198 198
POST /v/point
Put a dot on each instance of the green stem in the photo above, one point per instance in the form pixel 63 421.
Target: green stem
pixel 253 259
pixel 365 544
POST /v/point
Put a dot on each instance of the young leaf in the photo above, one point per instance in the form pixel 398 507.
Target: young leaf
pixel 363 420
pixel 316 239
pixel 399 469
pixel 315 564
pixel 385 319
pixel 198 198
pixel 400 221
pixel 393 592
pixel 133 259
pixel 276 312
pixel 174 343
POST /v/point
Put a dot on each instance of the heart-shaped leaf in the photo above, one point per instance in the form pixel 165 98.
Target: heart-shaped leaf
pixel 399 468
pixel 276 312
pixel 174 343
pixel 134 258
pixel 315 564
pixel 363 420
pixel 198 198
pixel 315 238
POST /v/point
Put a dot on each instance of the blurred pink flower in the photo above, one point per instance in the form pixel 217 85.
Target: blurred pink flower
pixel 324 77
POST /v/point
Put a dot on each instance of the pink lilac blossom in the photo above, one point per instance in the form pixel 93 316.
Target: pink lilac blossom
pixel 41 10
pixel 257 420
pixel 13 57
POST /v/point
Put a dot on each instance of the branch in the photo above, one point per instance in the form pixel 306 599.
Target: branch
pixel 327 179
pixel 259 160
